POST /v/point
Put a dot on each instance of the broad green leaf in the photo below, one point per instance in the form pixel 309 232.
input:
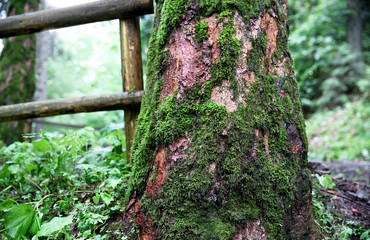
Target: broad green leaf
pixel 346 233
pixel 30 167
pixel 106 198
pixel 113 182
pixel 7 204
pixel 365 235
pixel 86 234
pixel 5 171
pixel 56 224
pixel 14 168
pixel 35 226
pixel 18 220
pixel 96 199
pixel 326 181
pixel 41 146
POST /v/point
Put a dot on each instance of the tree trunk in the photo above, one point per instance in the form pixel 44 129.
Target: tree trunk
pixel 220 150
pixel 17 72
pixel 354 37
pixel 42 49
pixel 3 6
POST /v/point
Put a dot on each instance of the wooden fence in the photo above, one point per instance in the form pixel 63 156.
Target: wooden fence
pixel 128 11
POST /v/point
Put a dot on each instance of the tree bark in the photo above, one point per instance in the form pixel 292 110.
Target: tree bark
pixel 42 55
pixel 220 150
pixel 17 72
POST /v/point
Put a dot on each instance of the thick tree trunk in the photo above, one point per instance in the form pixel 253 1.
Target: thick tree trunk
pixel 220 150
pixel 42 55
pixel 17 72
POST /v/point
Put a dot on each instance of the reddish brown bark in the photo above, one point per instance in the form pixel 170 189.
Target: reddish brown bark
pixel 238 170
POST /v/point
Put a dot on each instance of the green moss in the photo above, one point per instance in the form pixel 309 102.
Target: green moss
pixel 257 53
pixel 154 173
pixel 201 32
pixel 253 185
pixel 230 47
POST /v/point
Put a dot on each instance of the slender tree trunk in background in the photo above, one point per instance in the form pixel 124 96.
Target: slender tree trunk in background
pixel 354 36
pixel 17 72
pixel 220 150
pixel 3 6
pixel 42 54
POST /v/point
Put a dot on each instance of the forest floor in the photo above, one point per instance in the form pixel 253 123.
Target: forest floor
pixel 349 199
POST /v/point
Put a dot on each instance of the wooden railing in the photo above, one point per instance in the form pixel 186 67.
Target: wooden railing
pixel 128 11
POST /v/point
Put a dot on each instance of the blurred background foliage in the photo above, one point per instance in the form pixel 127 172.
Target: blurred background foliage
pixel 334 80
pixel 323 58
pixel 85 60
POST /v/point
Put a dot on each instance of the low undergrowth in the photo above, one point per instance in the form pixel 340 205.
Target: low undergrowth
pixel 328 217
pixel 68 187
pixel 73 187
pixel 341 134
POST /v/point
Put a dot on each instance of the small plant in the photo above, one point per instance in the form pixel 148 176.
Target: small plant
pixel 326 181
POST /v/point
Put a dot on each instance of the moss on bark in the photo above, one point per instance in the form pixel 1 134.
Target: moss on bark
pixel 17 72
pixel 236 151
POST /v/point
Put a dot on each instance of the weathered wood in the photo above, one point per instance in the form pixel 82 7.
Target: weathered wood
pixel 132 74
pixel 75 15
pixel 69 106
pixel 76 126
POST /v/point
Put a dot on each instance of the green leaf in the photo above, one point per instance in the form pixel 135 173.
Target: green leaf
pixel 14 168
pixel 106 198
pixel 56 224
pixel 346 233
pixel 113 182
pixel 5 171
pixel 8 203
pixel 96 199
pixel 35 226
pixel 326 181
pixel 18 220
pixel 30 167
pixel 86 234
pixel 41 146
pixel 365 235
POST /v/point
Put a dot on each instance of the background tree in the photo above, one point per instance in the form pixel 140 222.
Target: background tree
pixel 354 36
pixel 3 5
pixel 220 150
pixel 330 44
pixel 17 72
pixel 41 63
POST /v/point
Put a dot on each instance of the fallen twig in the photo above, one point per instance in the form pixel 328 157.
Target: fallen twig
pixel 342 196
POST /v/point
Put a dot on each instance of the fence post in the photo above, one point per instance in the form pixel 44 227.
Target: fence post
pixel 132 75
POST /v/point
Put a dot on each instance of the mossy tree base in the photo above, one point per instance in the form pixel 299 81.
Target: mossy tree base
pixel 17 72
pixel 220 150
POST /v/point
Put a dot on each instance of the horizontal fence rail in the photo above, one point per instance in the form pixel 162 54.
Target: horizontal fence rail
pixel 75 15
pixel 64 125
pixel 49 108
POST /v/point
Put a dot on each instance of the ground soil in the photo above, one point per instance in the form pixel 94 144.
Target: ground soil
pixel 350 198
